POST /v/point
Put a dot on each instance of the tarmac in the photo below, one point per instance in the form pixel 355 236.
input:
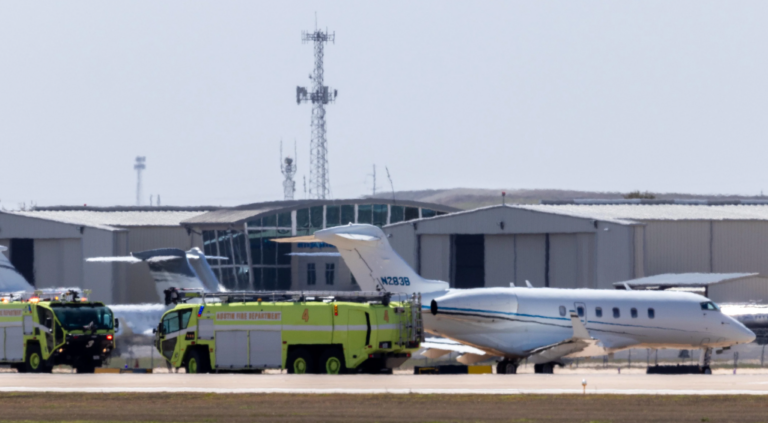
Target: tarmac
pixel 722 384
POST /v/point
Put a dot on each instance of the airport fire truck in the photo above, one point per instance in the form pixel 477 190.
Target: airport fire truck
pixel 303 332
pixel 44 328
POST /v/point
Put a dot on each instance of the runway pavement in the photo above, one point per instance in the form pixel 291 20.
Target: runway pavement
pixel 392 384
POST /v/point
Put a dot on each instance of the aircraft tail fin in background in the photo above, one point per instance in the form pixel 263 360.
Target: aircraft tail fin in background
pixel 173 268
pixel 368 254
pixel 10 278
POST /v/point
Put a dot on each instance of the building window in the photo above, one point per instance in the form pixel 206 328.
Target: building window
pixel 562 311
pixel 329 271
pixel 316 217
pixel 411 213
pixel 347 214
pixel 633 312
pixel 332 216
pixel 380 214
pixel 365 213
pixel 651 313
pixel 598 311
pixel 396 214
pixel 311 275
pixel 616 313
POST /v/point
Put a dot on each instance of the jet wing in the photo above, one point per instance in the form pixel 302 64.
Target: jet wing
pixel 579 342
pixel 438 347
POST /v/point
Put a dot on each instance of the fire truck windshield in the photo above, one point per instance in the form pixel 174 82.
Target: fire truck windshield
pixel 83 317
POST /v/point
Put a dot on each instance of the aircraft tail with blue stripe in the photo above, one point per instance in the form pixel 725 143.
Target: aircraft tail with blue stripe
pixel 374 264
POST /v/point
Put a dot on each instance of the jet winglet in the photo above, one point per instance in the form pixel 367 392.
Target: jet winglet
pixel 579 331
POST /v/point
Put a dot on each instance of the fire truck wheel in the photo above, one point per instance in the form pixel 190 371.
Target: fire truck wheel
pixel 197 363
pixel 331 362
pixel 85 368
pixel 300 362
pixel 34 362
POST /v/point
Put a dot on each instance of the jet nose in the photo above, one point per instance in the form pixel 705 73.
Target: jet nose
pixel 740 333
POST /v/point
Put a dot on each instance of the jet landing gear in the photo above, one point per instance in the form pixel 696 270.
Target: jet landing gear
pixel 544 368
pixel 506 367
pixel 705 360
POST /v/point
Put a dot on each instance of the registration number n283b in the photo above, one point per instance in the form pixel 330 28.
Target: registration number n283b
pixel 395 280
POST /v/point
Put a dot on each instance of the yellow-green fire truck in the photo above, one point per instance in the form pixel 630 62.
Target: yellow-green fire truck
pixel 48 327
pixel 303 332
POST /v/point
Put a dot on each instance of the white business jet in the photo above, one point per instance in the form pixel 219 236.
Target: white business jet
pixel 543 325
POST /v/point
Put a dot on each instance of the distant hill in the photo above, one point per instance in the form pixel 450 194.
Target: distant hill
pixel 470 198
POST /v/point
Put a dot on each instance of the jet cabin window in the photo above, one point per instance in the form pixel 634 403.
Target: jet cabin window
pixel 651 313
pixel 616 313
pixel 562 311
pixel 580 310
pixel 633 312
pixel 598 312
pixel 709 305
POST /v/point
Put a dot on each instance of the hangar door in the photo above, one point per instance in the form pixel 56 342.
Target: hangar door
pixel 469 261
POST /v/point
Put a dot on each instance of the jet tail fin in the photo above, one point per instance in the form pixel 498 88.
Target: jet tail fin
pixel 373 262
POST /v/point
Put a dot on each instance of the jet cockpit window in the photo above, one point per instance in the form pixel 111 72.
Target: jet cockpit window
pixel 633 312
pixel 598 311
pixel 709 305
pixel 651 313
pixel 616 313
pixel 562 311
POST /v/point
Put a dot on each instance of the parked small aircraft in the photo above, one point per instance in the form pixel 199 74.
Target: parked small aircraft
pixel 543 325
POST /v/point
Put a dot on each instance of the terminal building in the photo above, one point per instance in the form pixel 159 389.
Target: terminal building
pixel 242 234
pixel 584 244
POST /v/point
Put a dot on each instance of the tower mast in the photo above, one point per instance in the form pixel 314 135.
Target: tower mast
pixel 320 95
pixel 139 167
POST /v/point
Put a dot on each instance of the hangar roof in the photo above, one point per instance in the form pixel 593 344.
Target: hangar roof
pixel 686 280
pixel 644 212
pixel 241 214
pixel 113 220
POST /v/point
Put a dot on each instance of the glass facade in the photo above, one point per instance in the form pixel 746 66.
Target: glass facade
pixel 256 263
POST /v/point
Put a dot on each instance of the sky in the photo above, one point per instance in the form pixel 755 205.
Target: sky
pixel 588 95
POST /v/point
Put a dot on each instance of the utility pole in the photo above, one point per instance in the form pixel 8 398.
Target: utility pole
pixel 320 95
pixel 139 166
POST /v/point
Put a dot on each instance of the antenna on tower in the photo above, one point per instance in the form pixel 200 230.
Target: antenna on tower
pixel 390 184
pixel 139 166
pixel 288 169
pixel 305 187
pixel 319 95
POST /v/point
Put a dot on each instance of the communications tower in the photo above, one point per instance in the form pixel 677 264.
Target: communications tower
pixel 288 168
pixel 139 166
pixel 320 95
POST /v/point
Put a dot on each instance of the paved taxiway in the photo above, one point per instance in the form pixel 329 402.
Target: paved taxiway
pixel 403 384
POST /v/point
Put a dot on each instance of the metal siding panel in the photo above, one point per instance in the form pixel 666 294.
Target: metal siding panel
pixel 563 261
pixel 585 254
pixel 403 241
pixel 639 251
pixel 98 276
pixel 740 291
pixel 516 221
pixel 530 259
pixel 740 247
pixel 614 254
pixel 2 343
pixel 232 349
pixel 677 247
pixel 499 260
pixel 436 257
pixel 266 349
